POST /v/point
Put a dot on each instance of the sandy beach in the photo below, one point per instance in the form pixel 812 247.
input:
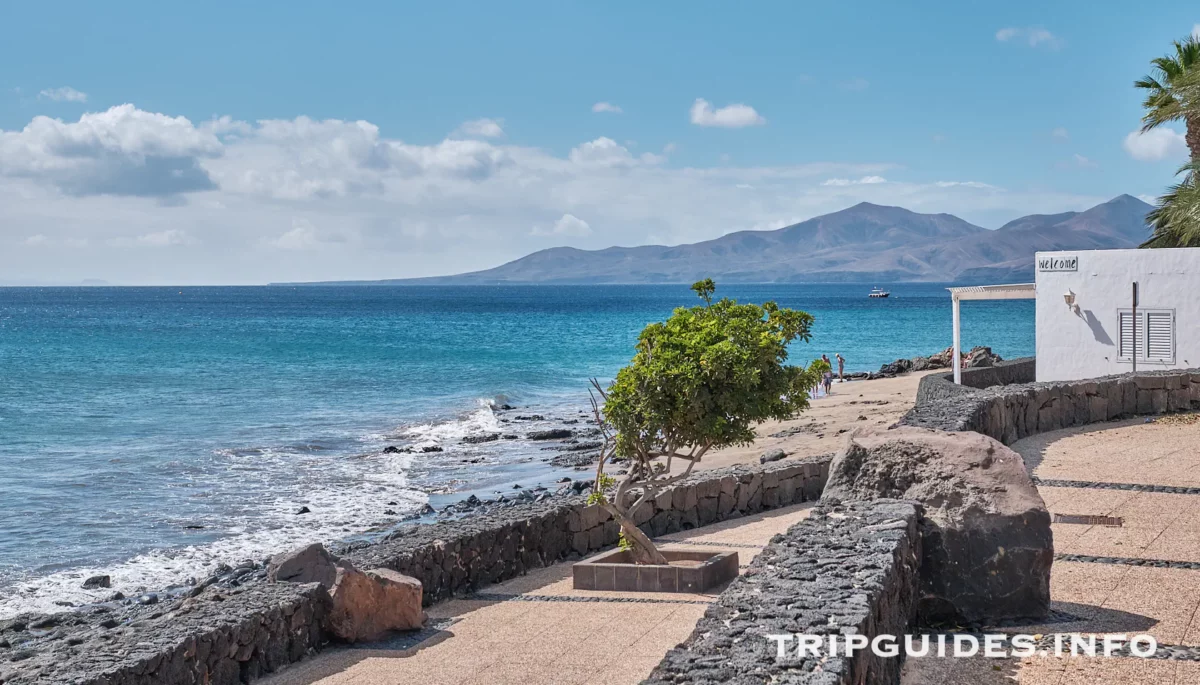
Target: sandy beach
pixel 822 428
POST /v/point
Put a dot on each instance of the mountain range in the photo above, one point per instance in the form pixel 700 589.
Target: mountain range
pixel 863 243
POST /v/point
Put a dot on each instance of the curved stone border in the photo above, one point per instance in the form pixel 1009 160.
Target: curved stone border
pixel 938 386
pixel 224 636
pixel 1011 412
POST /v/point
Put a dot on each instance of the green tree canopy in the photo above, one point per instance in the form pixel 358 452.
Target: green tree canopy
pixel 700 380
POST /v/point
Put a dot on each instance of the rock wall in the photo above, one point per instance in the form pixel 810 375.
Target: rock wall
pixel 223 636
pixel 844 569
pixel 455 557
pixel 941 385
pixel 211 639
pixel 1011 412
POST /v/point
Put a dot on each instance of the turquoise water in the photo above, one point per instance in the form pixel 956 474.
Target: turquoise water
pixel 150 433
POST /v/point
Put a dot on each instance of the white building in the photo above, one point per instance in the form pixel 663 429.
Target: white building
pixel 1089 324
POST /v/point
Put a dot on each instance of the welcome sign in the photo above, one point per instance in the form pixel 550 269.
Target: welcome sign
pixel 1069 263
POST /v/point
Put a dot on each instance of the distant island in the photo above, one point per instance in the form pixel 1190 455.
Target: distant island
pixel 865 243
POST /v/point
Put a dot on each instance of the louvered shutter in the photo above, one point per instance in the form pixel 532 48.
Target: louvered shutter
pixel 1126 328
pixel 1160 336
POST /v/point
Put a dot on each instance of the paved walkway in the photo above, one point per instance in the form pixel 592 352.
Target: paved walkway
pixel 1140 577
pixel 537 629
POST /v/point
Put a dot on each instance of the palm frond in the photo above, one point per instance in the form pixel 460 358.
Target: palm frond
pixel 1175 218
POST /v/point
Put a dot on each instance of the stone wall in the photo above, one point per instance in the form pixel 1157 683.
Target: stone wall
pixel 844 569
pixel 211 639
pixel 456 557
pixel 223 636
pixel 1011 412
pixel 937 386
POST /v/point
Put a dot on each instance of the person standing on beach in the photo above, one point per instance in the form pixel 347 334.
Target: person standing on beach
pixel 841 367
pixel 827 374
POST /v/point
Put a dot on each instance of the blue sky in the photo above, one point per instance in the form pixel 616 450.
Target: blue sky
pixel 241 157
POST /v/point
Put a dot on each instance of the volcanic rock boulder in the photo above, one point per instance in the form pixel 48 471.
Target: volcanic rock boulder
pixel 309 564
pixel 986 531
pixel 368 605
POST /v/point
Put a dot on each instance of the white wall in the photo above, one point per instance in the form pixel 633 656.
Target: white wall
pixel 1073 346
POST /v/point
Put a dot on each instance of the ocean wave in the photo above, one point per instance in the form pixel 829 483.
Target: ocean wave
pixel 343 501
pixel 480 421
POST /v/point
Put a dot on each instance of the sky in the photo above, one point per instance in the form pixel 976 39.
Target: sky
pixel 242 143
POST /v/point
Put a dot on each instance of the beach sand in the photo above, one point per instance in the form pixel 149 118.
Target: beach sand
pixel 823 428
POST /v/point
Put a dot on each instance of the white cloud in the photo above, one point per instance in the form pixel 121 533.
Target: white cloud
pixel 1148 199
pixel 1034 36
pixel 865 180
pixel 42 240
pixel 1156 144
pixel 304 199
pixel 1060 132
pixel 607 107
pixel 1078 161
pixel 482 128
pixel 568 225
pixel 608 152
pixel 64 94
pixel 122 151
pixel 731 116
pixel 165 238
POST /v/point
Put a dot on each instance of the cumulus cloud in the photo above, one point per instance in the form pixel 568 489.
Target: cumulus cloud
pixel 568 225
pixel 165 238
pixel 1060 132
pixel 64 94
pixel 865 180
pixel 482 128
pixel 42 240
pixel 121 151
pixel 607 107
pixel 1156 144
pixel 731 116
pixel 1034 36
pixel 305 199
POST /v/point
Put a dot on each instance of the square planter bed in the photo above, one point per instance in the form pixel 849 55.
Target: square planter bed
pixel 688 571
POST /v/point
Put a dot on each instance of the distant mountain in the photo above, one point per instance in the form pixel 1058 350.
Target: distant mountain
pixel 864 243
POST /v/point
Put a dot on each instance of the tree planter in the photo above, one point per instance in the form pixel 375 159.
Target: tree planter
pixel 615 570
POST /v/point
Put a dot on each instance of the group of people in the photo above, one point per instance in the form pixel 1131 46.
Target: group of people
pixel 827 373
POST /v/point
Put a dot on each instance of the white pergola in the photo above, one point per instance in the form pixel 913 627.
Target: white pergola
pixel 1016 291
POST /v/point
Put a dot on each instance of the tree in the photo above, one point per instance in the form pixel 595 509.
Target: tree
pixel 699 381
pixel 1173 92
pixel 1176 219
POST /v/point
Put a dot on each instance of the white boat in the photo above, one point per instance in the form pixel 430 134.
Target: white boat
pixel 878 292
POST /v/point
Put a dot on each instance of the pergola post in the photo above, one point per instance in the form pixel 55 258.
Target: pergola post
pixel 1015 291
pixel 957 357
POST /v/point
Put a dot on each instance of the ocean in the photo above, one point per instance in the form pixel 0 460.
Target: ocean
pixel 152 433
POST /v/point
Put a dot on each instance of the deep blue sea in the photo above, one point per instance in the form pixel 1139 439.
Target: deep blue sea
pixel 151 433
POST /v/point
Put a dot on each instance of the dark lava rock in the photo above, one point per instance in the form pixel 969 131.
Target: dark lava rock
pixel 573 459
pixel 510 436
pixel 148 599
pixel 772 455
pixel 585 445
pixel 303 510
pixel 431 448
pixel 97 582
pixel 308 564
pixel 391 449
pixel 46 622
pixel 985 533
pixel 505 407
pixel 476 439
pixel 552 434
pixel 530 417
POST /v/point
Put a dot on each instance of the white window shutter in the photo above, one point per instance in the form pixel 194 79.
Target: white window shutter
pixel 1160 336
pixel 1126 337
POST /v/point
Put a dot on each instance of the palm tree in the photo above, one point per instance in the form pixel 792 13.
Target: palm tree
pixel 1173 92
pixel 1176 219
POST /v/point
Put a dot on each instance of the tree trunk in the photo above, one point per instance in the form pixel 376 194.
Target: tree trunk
pixel 641 548
pixel 1192 137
